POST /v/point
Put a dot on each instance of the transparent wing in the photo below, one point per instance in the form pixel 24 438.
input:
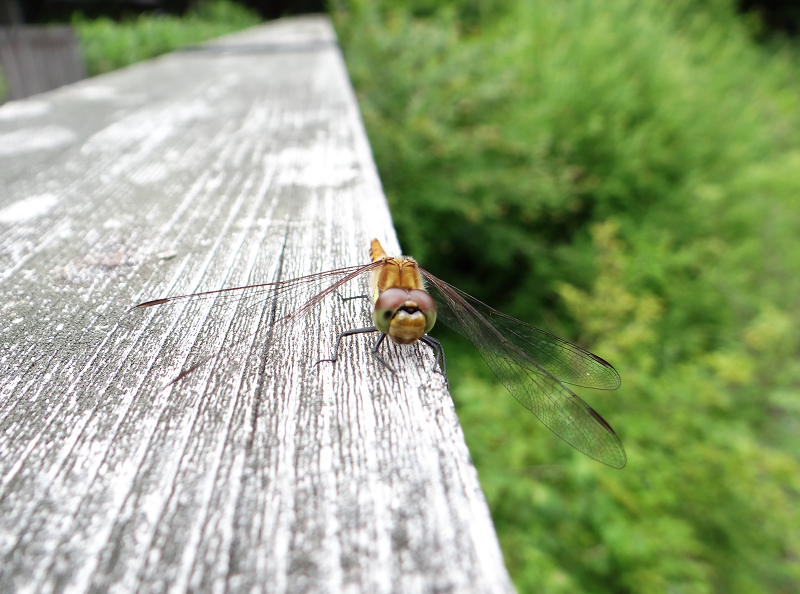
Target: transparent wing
pixel 568 363
pixel 532 365
pixel 289 301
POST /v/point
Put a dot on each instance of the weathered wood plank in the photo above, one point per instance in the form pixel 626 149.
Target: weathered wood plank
pixel 259 471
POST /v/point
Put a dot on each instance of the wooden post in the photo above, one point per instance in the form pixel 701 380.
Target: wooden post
pixel 36 59
pixel 243 161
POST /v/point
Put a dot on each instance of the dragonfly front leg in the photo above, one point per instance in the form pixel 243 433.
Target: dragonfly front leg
pixel 378 355
pixel 438 349
pixel 350 333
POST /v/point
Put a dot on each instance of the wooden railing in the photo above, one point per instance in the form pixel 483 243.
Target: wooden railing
pixel 238 162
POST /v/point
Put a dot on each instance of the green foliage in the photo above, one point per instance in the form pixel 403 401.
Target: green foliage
pixel 624 173
pixel 108 45
pixel 556 116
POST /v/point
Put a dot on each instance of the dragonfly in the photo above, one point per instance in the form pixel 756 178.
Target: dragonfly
pixel 533 365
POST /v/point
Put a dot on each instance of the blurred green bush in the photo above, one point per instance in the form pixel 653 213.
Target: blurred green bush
pixel 625 174
pixel 108 44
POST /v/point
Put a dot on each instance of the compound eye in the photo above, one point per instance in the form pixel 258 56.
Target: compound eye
pixel 385 307
pixel 426 304
pixel 423 300
pixel 391 299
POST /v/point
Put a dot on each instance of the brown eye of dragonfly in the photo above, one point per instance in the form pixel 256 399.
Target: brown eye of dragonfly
pixel 385 307
pixel 422 299
pixel 391 299
pixel 426 305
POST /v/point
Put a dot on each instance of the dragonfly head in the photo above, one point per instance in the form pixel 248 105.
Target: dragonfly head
pixel 404 315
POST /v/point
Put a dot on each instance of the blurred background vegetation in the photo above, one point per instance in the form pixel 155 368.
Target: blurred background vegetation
pixel 625 174
pixel 108 44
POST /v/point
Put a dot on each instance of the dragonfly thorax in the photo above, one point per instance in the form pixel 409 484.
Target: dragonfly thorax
pixel 406 316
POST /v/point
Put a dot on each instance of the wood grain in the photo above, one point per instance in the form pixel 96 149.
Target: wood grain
pixel 245 162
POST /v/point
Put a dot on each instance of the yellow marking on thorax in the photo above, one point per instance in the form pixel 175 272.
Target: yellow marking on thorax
pixel 401 273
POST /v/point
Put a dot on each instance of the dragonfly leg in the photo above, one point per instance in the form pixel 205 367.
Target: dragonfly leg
pixel 351 298
pixel 438 349
pixel 339 341
pixel 378 355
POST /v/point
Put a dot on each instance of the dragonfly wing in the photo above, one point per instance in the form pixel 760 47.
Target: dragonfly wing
pixel 250 301
pixel 566 362
pixel 530 382
pixel 561 411
pixel 313 287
